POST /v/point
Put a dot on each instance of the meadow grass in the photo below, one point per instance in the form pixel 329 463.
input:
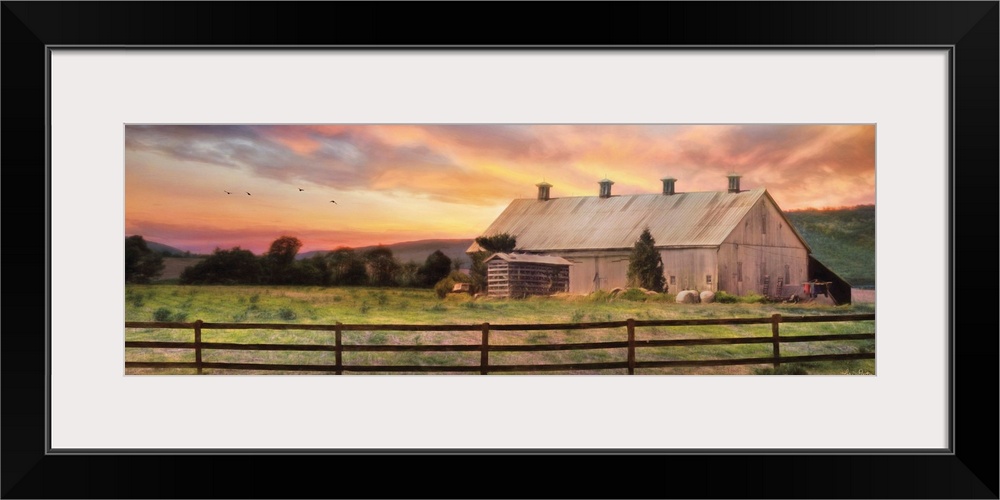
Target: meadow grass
pixel 349 305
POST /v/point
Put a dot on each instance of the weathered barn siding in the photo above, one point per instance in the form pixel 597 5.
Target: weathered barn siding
pixel 595 270
pixel 690 268
pixel 520 275
pixel 761 246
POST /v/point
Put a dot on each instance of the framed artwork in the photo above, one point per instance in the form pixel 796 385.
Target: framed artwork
pixel 196 83
pixel 436 261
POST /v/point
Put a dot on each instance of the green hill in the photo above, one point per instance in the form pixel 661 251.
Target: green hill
pixel 842 239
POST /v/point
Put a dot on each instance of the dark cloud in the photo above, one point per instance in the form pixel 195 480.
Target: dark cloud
pixel 347 159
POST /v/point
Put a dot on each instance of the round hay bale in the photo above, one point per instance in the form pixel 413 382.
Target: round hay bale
pixel 687 297
pixel 616 291
pixel 707 297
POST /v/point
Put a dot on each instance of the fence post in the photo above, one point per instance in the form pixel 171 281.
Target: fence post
pixel 484 353
pixel 197 344
pixel 630 325
pixel 775 319
pixel 340 349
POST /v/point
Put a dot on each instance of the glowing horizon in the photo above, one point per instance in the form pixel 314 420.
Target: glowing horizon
pixel 395 183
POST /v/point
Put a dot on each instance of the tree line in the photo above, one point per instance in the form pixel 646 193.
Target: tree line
pixel 279 266
pixel 348 267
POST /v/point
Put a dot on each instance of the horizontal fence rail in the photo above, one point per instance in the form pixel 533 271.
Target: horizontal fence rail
pixel 631 344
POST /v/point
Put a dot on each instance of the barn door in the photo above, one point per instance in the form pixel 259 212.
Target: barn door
pixel 598 279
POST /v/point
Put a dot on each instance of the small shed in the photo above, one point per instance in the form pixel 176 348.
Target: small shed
pixel 514 275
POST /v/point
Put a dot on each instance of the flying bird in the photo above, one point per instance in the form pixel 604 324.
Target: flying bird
pixel 248 193
pixel 227 192
pixel 300 189
pixel 335 203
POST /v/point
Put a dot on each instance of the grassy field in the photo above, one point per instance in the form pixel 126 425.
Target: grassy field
pixel 317 305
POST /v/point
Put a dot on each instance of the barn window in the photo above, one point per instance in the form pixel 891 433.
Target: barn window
pixel 788 277
pixel 739 271
pixel 673 280
pixel 708 279
pixel 763 224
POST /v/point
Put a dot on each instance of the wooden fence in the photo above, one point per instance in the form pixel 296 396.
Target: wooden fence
pixel 485 348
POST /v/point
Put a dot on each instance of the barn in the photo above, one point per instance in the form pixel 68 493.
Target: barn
pixel 734 240
pixel 513 275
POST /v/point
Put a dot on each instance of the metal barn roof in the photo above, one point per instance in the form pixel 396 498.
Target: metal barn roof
pixel 594 223
pixel 533 259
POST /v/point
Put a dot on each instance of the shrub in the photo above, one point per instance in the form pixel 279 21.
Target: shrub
pixel 286 314
pixel 444 287
pixel 380 297
pixel 138 300
pixel 781 370
pixel 599 296
pixel 162 314
pixel 634 295
pixel 725 298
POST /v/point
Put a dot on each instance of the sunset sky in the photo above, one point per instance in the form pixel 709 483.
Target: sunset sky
pixel 395 183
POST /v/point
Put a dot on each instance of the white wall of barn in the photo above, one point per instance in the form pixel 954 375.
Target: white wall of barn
pixel 690 268
pixel 762 245
pixel 595 270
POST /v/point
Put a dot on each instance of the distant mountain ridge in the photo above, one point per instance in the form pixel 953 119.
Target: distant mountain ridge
pixel 165 249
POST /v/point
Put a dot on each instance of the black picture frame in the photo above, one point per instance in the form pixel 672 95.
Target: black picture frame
pixel 968 470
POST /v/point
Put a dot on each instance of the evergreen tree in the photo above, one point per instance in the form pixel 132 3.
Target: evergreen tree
pixel 645 266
